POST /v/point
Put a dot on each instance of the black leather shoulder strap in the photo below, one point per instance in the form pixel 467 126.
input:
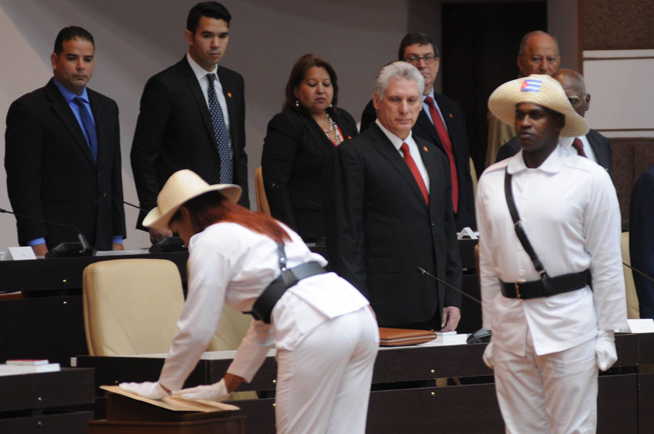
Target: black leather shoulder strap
pixel 519 231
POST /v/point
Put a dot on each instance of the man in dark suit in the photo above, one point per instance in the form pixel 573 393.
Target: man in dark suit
pixel 63 155
pixel 593 145
pixel 192 115
pixel 441 122
pixel 398 212
pixel 641 240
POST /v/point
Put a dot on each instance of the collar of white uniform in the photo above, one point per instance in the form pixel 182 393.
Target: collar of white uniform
pixel 552 164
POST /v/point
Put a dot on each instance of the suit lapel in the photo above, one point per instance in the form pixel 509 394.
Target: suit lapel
pixel 390 153
pixel 430 165
pixel 198 96
pixel 425 129
pixel 63 111
pixel 598 150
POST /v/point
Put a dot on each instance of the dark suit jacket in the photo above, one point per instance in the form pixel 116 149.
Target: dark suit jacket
pixel 389 230
pixel 456 128
pixel 52 179
pixel 297 159
pixel 641 240
pixel 598 142
pixel 174 132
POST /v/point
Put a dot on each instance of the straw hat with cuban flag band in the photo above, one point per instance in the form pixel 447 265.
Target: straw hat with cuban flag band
pixel 182 186
pixel 536 89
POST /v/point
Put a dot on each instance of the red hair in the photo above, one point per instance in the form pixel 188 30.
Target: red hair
pixel 213 207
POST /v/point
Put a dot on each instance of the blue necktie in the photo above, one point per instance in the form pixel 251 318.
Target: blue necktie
pixel 221 134
pixel 89 127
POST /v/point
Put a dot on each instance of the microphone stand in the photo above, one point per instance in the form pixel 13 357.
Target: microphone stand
pixel 65 249
pixel 481 336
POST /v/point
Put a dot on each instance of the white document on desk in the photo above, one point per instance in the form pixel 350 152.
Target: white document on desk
pixel 644 325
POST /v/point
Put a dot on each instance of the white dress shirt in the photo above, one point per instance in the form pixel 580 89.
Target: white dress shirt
pixel 570 213
pixel 413 150
pixel 201 75
pixel 231 264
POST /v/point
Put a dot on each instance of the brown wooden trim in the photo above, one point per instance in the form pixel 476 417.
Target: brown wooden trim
pixel 619 58
pixel 625 129
pixel 580 39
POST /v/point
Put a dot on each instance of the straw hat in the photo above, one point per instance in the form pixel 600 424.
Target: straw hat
pixel 537 89
pixel 182 186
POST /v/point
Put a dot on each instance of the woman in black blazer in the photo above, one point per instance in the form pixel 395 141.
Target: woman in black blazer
pixel 299 148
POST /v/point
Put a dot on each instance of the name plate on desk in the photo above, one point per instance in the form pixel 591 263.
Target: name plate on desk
pixel 21 253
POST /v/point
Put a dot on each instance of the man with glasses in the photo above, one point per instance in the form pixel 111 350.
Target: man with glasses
pixel 593 145
pixel 441 122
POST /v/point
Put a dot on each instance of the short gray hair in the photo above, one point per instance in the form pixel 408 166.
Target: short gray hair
pixel 398 69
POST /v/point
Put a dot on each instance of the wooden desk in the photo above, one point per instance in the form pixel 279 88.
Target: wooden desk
pixel 466 408
pixel 47 403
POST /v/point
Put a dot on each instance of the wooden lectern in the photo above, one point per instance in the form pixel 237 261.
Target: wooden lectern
pixel 126 415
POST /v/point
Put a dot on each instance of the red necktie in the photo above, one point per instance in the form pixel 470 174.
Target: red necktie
pixel 579 146
pixel 414 170
pixel 447 146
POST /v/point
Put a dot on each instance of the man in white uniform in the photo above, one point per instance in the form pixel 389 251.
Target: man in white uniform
pixel 551 332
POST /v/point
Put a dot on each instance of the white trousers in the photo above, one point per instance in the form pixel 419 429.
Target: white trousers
pixel 323 386
pixel 549 394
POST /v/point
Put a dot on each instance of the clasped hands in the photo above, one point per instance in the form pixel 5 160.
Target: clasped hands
pixel 154 390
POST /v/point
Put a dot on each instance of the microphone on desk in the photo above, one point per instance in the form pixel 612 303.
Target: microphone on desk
pixel 642 273
pixel 67 248
pixel 481 336
pixel 167 244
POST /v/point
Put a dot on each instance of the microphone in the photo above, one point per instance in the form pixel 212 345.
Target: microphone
pixel 642 273
pixel 168 244
pixel 65 249
pixel 481 336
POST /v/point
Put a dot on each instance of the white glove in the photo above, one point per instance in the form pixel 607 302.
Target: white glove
pixel 211 392
pixel 488 355
pixel 605 350
pixel 147 389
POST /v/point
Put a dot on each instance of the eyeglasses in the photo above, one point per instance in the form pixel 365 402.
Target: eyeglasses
pixel 413 59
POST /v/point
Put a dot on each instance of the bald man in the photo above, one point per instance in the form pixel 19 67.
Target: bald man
pixel 538 54
pixel 593 145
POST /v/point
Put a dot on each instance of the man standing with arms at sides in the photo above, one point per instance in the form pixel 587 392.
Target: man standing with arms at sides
pixel 538 54
pixel 593 145
pixel 63 155
pixel 192 115
pixel 441 122
pixel 398 212
pixel 549 230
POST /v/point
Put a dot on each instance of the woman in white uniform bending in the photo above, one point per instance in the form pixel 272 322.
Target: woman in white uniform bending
pixel 322 328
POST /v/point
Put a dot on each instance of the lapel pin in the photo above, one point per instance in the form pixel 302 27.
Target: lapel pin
pixel 426 149
pixel 229 94
pixel 450 115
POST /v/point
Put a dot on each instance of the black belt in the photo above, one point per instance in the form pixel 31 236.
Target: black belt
pixel 262 308
pixel 547 286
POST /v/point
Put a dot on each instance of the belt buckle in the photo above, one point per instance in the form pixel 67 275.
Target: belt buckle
pixel 516 285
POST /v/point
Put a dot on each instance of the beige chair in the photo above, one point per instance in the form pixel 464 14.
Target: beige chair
pixel 633 309
pixel 131 306
pixel 262 199
pixel 473 176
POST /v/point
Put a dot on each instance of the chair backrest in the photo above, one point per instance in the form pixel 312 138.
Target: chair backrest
pixel 262 199
pixel 131 306
pixel 473 176
pixel 633 308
